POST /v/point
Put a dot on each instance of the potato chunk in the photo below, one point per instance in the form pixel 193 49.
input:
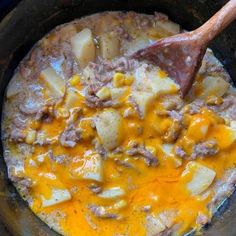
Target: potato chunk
pixel 154 225
pixel 198 128
pixel 213 86
pixel 108 124
pixel 72 98
pixel 109 46
pixel 117 93
pixel 154 81
pixel 57 196
pixel 201 177
pixel 104 93
pixel 111 193
pixel 83 47
pixel 54 82
pixel 143 100
pixel 162 85
pixel 136 44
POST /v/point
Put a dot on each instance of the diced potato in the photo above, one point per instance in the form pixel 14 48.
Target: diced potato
pixel 136 44
pixel 198 128
pixel 154 225
pixel 112 193
pixel 104 93
pixel 72 98
pixel 14 86
pixel 162 85
pixel 168 217
pixel 143 100
pixel 117 93
pixel 54 82
pixel 169 26
pixel 213 86
pixel 108 125
pixel 57 196
pixel 201 177
pixel 141 81
pixel 91 168
pixel 109 46
pixel 83 47
pixel 167 148
pixel 233 124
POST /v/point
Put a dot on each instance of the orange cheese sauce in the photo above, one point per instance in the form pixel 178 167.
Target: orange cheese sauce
pixel 162 187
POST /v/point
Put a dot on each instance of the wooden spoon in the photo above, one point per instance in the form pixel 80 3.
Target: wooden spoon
pixel 181 55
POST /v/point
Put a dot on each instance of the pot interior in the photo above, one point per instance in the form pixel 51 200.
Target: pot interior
pixel 32 19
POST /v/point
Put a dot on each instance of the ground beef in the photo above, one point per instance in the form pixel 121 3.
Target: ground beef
pixel 95 188
pixel 160 16
pixel 180 152
pixel 99 148
pixel 20 121
pixel 43 140
pixel 124 64
pixel 17 135
pixel 123 163
pixel 70 136
pixel 94 102
pixel 142 22
pixel 228 107
pixel 140 150
pixel 175 115
pixel 172 102
pixel 136 107
pixel 24 184
pixel 102 212
pixel 122 33
pixel 30 106
pixel 59 159
pixel 173 132
pixel 194 107
pixel 69 65
pixel 100 72
pixel 202 219
pixel 208 148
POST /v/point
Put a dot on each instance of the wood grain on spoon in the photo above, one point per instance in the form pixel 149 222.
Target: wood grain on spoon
pixel 181 55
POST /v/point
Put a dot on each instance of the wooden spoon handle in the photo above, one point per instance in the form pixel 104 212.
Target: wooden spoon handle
pixel 217 23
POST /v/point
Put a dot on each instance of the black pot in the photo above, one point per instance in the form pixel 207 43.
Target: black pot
pixel 30 20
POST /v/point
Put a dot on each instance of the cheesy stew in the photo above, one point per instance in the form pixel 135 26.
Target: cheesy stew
pixel 98 143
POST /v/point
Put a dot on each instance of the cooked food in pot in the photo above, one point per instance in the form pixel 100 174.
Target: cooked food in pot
pixel 101 144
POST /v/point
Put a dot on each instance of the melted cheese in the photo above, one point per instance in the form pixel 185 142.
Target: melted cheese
pixel 160 187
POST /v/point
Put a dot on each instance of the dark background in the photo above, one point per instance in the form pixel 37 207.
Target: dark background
pixel 5 7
